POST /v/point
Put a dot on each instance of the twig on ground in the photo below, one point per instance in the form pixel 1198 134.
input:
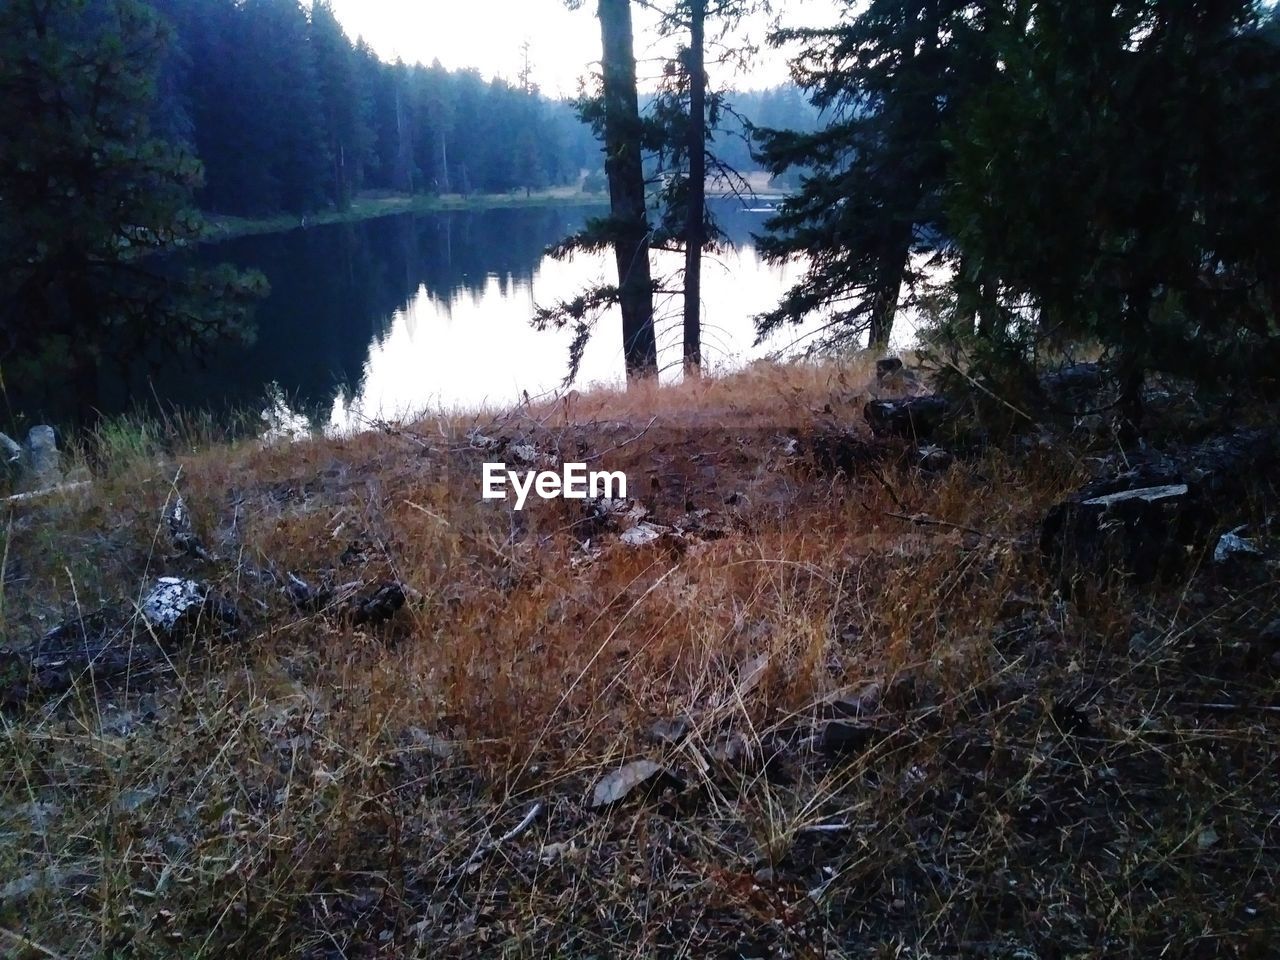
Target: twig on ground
pixel 619 446
pixel 926 521
pixel 28 944
pixel 47 491
pixel 893 494
pixel 484 849
pixel 826 828
pixel 1232 707
pixel 1026 416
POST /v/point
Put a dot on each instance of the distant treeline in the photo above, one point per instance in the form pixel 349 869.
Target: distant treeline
pixel 288 114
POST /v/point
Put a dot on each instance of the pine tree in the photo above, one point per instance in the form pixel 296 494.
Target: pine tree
pixel 344 104
pixel 890 79
pixel 684 122
pixel 1121 179
pixel 88 193
pixel 615 116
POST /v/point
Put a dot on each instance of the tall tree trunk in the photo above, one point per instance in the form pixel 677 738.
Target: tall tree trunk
pixel 990 321
pixel 404 148
pixel 1130 372
pixel 697 190
pixel 443 184
pixel 884 305
pixel 622 164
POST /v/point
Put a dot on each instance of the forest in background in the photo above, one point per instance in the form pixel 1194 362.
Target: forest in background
pixel 289 114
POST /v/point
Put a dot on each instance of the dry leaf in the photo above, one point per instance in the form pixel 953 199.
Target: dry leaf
pixel 616 785
pixel 751 673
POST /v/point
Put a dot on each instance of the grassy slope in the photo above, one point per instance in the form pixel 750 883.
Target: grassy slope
pixel 222 227
pixel 1040 784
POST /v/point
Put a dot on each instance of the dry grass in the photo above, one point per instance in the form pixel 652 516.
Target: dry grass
pixel 1035 779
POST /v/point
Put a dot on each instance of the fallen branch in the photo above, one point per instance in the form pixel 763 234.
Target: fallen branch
pixel 29 945
pixel 1232 707
pixel 47 491
pixel 619 446
pixel 998 399
pixel 893 495
pixel 826 828
pixel 484 849
pixel 926 521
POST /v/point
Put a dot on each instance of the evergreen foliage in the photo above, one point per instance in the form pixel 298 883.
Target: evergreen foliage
pixel 869 213
pixel 1126 187
pixel 88 193
pixel 1101 173
pixel 288 114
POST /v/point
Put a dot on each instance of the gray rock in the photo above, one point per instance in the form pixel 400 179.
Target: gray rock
pixel 618 784
pixel 525 452
pixel 892 378
pixel 671 730
pixel 177 518
pixel 116 641
pixel 1075 387
pixel 887 367
pixel 41 455
pixel 843 737
pixel 176 609
pixel 642 534
pixel 378 607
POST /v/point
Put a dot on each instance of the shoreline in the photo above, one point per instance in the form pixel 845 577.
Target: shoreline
pixel 220 227
pixel 227 227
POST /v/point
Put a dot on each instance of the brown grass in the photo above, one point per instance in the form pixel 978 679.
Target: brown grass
pixel 1033 782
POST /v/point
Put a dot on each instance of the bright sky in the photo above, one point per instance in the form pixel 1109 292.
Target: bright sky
pixel 487 34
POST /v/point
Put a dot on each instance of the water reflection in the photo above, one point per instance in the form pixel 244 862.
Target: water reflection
pixel 381 319
pixel 479 349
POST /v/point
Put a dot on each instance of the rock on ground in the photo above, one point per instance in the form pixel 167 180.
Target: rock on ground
pixel 914 418
pixel 1128 524
pixel 41 455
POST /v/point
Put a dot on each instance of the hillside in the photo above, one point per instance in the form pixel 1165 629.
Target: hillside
pixel 811 692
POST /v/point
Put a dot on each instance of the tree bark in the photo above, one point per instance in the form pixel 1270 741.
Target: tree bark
pixel 404 148
pixel 1130 371
pixel 443 186
pixel 626 188
pixel 697 190
pixel 884 304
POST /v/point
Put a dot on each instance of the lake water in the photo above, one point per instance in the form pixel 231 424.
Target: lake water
pixel 388 317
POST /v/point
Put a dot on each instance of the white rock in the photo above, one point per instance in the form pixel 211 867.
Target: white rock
pixel 525 452
pixel 642 534
pixel 169 599
pixel 1233 545
pixel 11 447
